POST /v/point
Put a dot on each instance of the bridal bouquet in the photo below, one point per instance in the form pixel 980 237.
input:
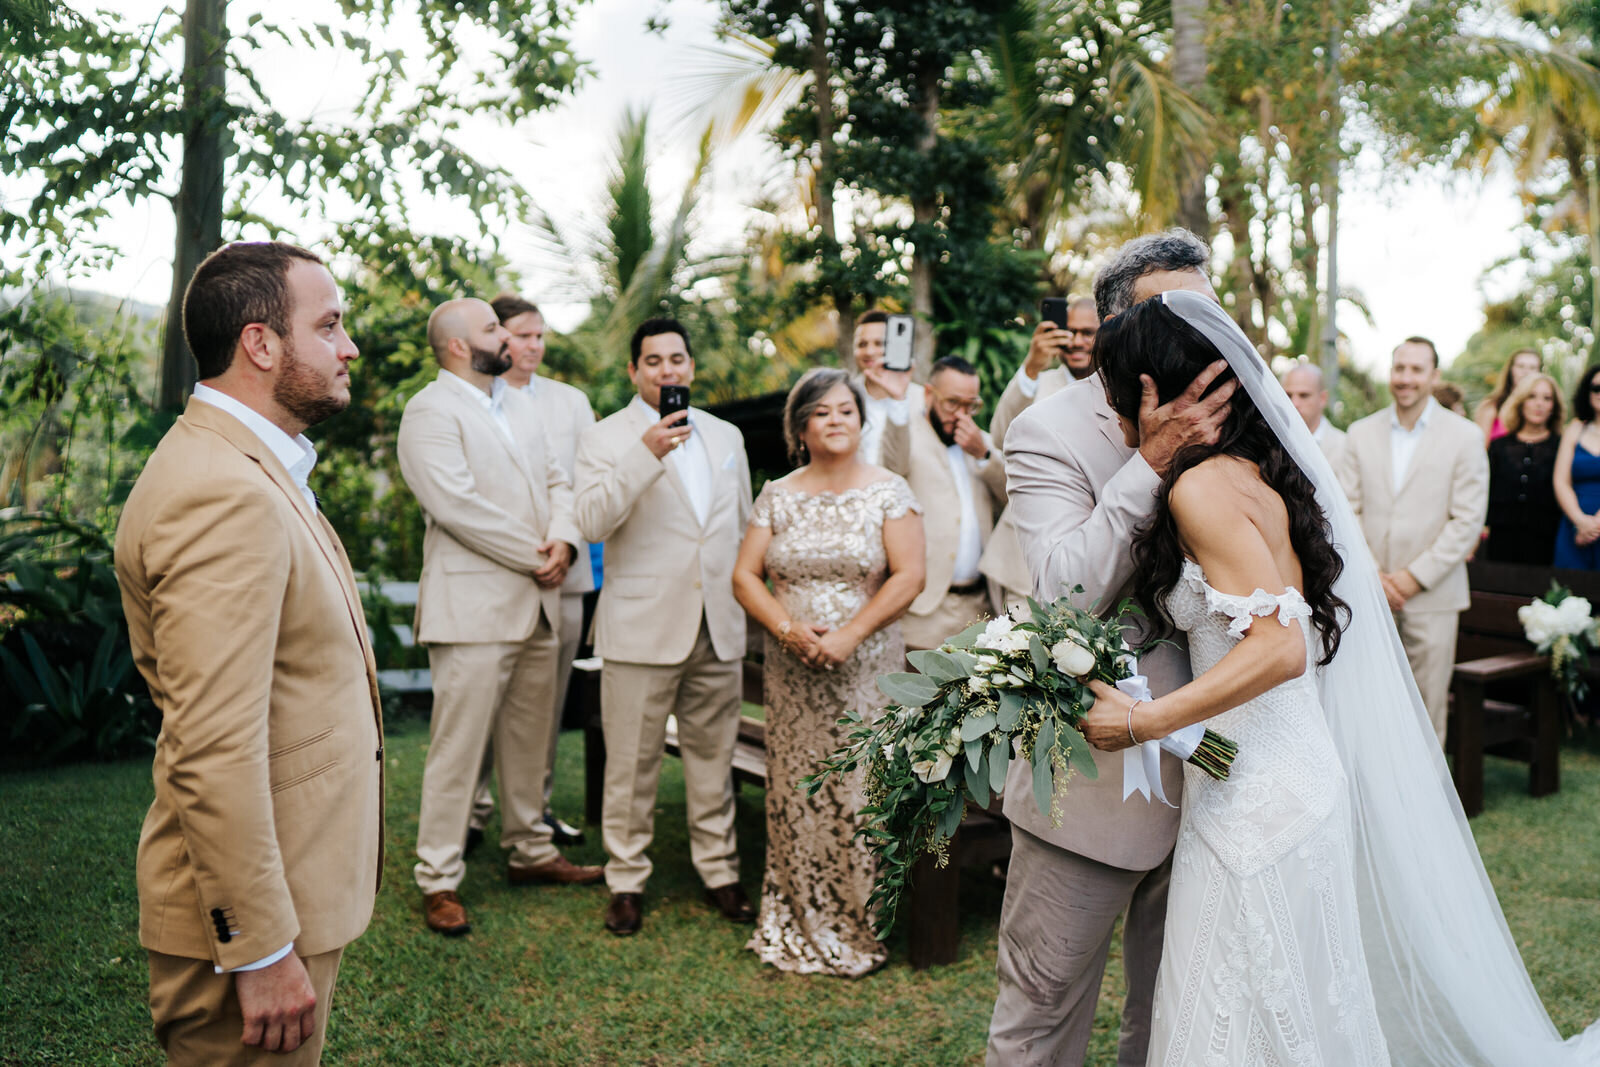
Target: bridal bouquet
pixel 1011 687
pixel 1562 626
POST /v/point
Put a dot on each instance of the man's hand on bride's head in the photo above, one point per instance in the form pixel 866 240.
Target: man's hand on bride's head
pixel 1190 418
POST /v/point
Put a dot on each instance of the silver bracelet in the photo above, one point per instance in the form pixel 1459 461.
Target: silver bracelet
pixel 1135 704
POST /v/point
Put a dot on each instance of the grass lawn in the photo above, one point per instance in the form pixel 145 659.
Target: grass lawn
pixel 539 982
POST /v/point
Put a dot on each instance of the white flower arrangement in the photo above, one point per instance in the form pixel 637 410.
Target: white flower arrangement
pixel 1561 624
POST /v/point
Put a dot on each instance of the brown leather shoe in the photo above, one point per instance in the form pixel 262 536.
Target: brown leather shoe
pixel 625 913
pixel 445 913
pixel 732 903
pixel 559 871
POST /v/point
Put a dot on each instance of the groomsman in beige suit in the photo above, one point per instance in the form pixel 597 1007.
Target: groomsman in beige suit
pixel 669 496
pixel 1056 358
pixel 261 853
pixel 1303 382
pixel 497 543
pixel 961 481
pixel 1078 493
pixel 1417 476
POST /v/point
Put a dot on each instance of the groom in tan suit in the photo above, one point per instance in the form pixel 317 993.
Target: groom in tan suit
pixel 669 497
pixel 1417 476
pixel 498 541
pixel 1078 493
pixel 260 855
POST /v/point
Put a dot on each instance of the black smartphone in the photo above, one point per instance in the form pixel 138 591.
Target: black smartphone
pixel 899 332
pixel 1054 309
pixel 674 398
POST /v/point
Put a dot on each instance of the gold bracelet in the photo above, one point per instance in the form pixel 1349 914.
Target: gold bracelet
pixel 1135 704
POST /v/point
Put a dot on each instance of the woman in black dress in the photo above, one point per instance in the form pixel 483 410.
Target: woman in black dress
pixel 1523 514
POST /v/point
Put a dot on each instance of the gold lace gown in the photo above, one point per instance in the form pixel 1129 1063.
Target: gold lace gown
pixel 826 560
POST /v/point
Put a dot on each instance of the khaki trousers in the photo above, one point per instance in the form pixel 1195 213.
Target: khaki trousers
pixel 198 1020
pixel 1055 932
pixel 1430 641
pixel 571 631
pixel 504 691
pixel 635 699
pixel 953 614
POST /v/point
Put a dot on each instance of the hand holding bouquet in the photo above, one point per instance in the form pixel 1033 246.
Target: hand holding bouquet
pixel 1008 686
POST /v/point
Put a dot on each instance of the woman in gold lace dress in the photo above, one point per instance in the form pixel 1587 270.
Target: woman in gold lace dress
pixel 841 541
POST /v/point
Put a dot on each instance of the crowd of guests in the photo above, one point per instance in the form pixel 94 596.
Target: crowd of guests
pixel 259 859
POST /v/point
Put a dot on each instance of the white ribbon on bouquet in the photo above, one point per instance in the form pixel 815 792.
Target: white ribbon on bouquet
pixel 1141 763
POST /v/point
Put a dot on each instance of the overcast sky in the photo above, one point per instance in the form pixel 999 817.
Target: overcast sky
pixel 1416 250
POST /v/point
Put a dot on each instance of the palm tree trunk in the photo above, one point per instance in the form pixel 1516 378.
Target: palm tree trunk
pixel 199 204
pixel 1189 71
pixel 925 208
pixel 1594 243
pixel 822 93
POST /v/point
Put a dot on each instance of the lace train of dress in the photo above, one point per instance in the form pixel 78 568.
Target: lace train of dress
pixel 1262 962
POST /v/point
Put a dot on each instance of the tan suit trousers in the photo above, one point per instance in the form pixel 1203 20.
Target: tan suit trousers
pixel 635 700
pixel 1055 932
pixel 198 1020
pixel 502 691
pixel 955 613
pixel 571 631
pixel 1430 641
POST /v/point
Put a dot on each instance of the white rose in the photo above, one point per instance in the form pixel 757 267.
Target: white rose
pixel 1072 658
pixel 993 632
pixel 888 752
pixel 952 744
pixel 977 685
pixel 934 770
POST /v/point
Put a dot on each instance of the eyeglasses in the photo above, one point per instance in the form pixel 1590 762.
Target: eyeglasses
pixel 1594 387
pixel 1089 333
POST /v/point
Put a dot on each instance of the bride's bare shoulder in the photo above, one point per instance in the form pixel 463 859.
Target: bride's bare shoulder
pixel 1213 479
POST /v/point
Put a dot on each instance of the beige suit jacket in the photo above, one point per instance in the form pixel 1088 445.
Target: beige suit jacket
pixel 487 506
pixel 564 412
pixel 267 823
pixel 1078 493
pixel 1002 561
pixel 664 570
pixel 1431 523
pixel 1331 440
pixel 913 451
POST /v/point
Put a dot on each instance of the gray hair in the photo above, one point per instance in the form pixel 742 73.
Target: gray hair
pixel 1175 249
pixel 1306 367
pixel 806 397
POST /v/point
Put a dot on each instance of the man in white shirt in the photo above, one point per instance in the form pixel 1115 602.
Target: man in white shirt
pixel 499 539
pixel 1303 382
pixel 890 393
pixel 1417 477
pixel 960 480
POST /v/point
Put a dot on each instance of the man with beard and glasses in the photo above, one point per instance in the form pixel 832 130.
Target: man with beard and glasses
pixel 260 855
pixel 499 538
pixel 960 479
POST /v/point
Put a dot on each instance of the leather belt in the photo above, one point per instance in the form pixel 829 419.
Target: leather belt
pixel 970 588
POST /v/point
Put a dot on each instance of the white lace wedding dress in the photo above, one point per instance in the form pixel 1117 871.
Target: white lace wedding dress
pixel 1262 964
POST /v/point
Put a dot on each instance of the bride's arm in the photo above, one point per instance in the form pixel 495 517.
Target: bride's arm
pixel 1212 515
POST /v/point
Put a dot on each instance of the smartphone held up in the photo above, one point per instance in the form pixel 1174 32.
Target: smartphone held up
pixel 898 338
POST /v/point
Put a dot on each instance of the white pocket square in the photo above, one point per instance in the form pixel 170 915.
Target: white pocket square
pixel 727 464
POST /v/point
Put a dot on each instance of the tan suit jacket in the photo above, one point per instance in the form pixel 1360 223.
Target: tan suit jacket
pixel 1078 493
pixel 486 506
pixel 564 412
pixel 1002 562
pixel 1431 523
pixel 913 451
pixel 664 570
pixel 243 614
pixel 1331 440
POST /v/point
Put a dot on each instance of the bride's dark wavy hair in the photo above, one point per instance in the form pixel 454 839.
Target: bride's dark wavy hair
pixel 1150 338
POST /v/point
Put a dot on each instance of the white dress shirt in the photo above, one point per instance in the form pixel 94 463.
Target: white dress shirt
pixel 880 411
pixel 969 543
pixel 295 453
pixel 492 402
pixel 1403 442
pixel 691 461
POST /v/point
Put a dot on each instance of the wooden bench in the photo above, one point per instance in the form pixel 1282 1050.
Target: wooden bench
pixel 1503 701
pixel 932 907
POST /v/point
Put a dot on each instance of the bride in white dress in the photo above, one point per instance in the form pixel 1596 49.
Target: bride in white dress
pixel 1328 905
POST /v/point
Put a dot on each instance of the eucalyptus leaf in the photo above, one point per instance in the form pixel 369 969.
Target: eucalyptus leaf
pixel 908 690
pixel 977 725
pixel 936 665
pixel 1043 784
pixel 950 822
pixel 974 751
pixel 975 777
pixel 968 637
pixel 1044 743
pixel 1079 753
pixel 1010 712
pixel 1041 659
pixel 999 764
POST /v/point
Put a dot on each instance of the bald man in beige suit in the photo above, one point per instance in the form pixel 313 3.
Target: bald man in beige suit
pixel 958 476
pixel 261 853
pixel 1056 358
pixel 498 541
pixel 1417 476
pixel 669 496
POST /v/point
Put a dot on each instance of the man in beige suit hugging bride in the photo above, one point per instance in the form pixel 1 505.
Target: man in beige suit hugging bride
pixel 669 496
pixel 498 541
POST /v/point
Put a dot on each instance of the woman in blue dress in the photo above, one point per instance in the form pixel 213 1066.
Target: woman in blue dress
pixel 1577 481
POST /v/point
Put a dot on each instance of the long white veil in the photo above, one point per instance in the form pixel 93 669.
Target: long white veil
pixel 1450 985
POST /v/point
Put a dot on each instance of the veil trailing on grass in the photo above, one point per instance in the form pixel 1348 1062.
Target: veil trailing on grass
pixel 1450 985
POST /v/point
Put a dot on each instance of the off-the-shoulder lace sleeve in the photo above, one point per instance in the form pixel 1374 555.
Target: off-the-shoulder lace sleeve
pixel 896 497
pixel 1242 611
pixel 761 513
